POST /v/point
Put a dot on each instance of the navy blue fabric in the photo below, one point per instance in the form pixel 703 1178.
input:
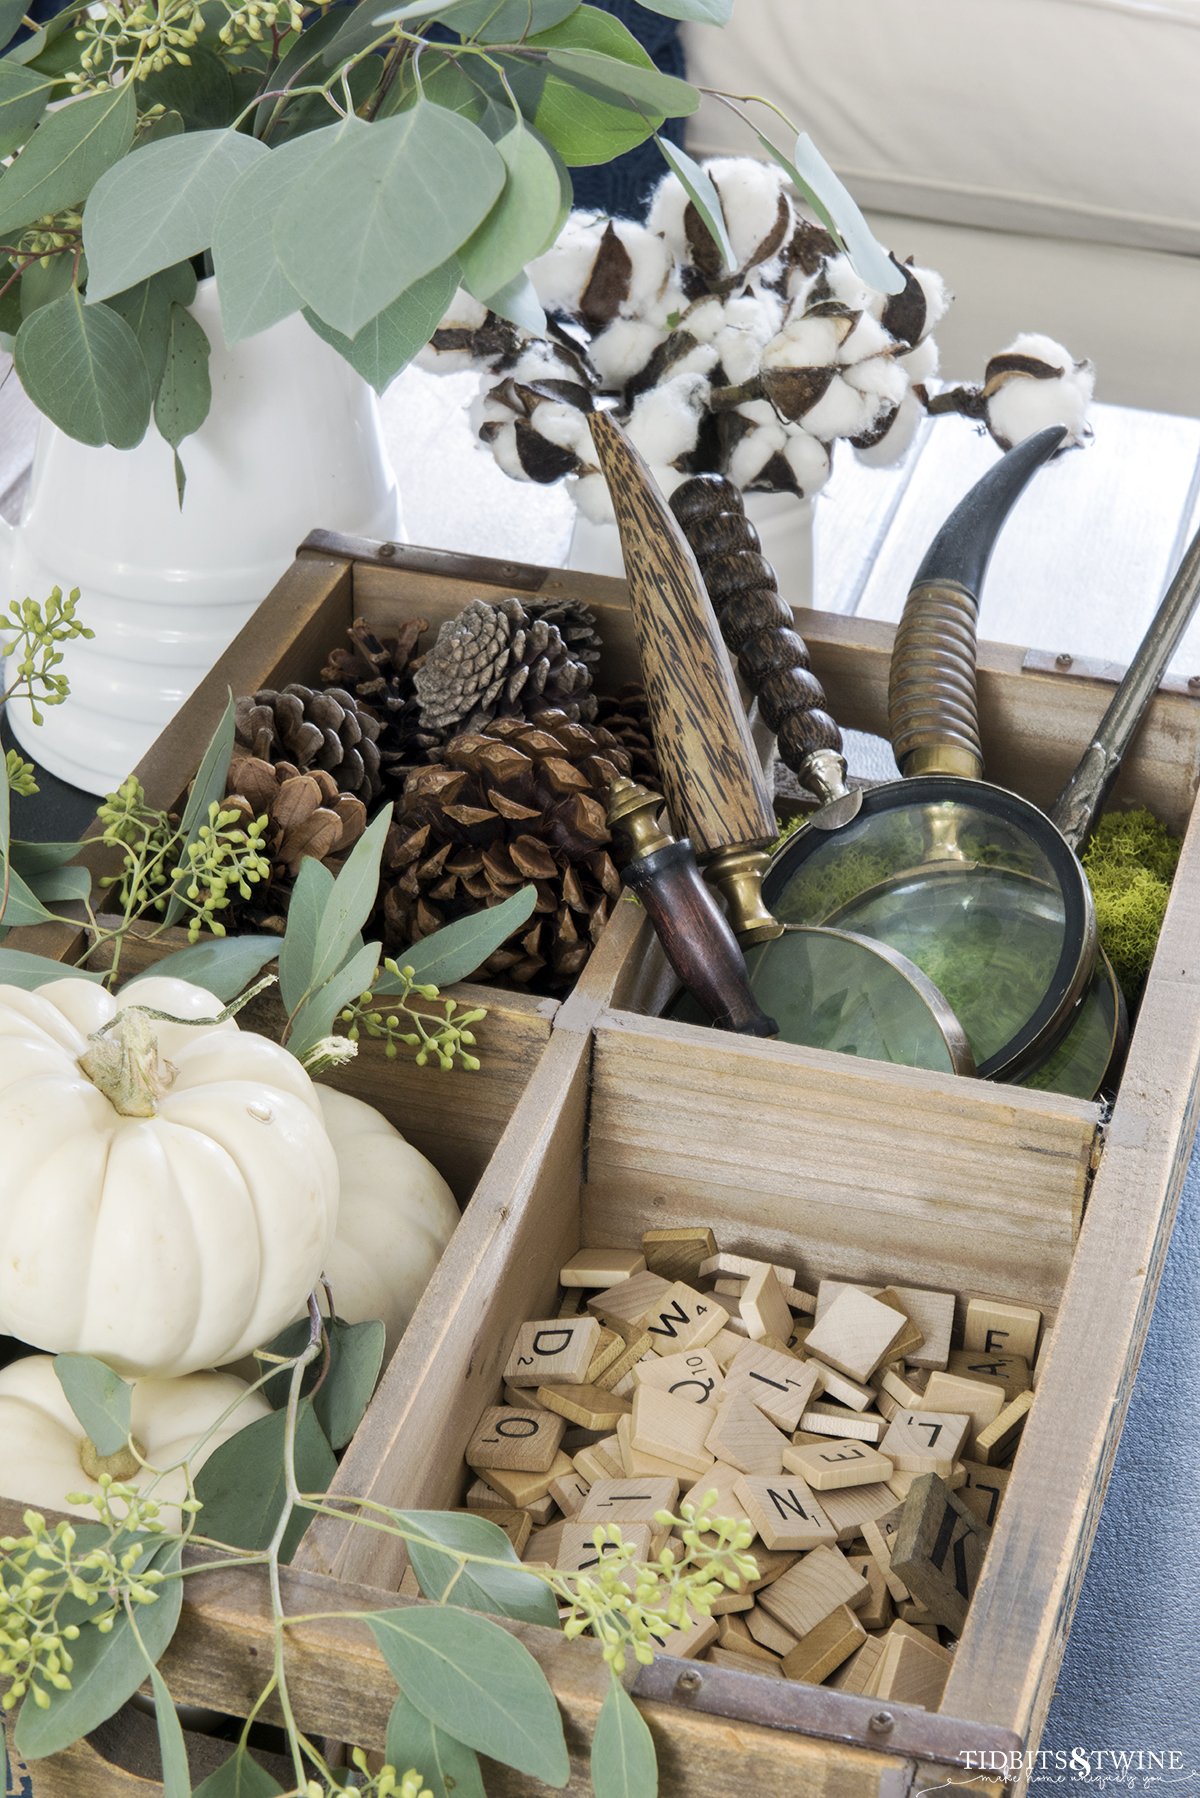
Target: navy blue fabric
pixel 623 187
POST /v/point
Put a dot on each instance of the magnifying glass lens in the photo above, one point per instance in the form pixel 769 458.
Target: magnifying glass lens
pixel 1079 1063
pixel 828 989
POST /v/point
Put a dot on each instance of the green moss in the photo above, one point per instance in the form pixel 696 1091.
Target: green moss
pixel 1130 863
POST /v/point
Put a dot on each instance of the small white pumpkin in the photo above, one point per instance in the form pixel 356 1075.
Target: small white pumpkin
pixel 397 1214
pixel 47 1454
pixel 180 1231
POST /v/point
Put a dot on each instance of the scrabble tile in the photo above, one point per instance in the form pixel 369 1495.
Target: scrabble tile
pixel 981 1400
pixel 855 1334
pixel 600 1460
pixel 571 1302
pixel 834 1420
pixel 520 1489
pixel 849 1508
pixel 877 1612
pixel 522 1440
pixel 829 1466
pixel 671 1430
pixel 1012 1371
pixel 741 1435
pixel 609 1348
pixel 720 1479
pixel 682 1318
pixel 783 1511
pixel 521 1398
pixel 557 1349
pixel 637 1464
pixel 769 1632
pixel 588 1406
pixel 925 1441
pixel 779 1384
pixel 907 1389
pixel 911 1671
pixel 938 1551
pixel 516 1523
pixel 628 1501
pixel 764 1307
pixel 767 1666
pixel 983 1490
pixel 741 1267
pixel 879 1533
pixel 693 1376
pixel 725 1346
pixel 912 1339
pixel 697 1634
pixel 931 1312
pixel 805 1595
pixel 541 1510
pixel 482 1497
pixel 729 1288
pixel 577 1549
pixel 998 1441
pixel 733 1634
pixel 839 1387
pixel 543 1545
pixel 902 1483
pixel 998 1326
pixel 601 1267
pixel 628 1301
pixel 638 1344
pixel 678 1254
pixel 772 1564
pixel 569 1492
pixel 857 1675
pixel 825 1648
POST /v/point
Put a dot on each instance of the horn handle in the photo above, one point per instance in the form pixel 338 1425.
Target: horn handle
pixel 932 713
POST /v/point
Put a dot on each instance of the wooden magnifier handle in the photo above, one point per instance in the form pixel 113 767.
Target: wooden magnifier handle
pixel 714 785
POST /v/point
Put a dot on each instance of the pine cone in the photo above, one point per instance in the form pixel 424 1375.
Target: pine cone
pixel 495 661
pixel 306 815
pixel 379 672
pixel 313 730
pixel 626 714
pixel 576 625
pixel 513 802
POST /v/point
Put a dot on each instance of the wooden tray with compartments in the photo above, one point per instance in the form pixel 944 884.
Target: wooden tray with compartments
pixel 592 1120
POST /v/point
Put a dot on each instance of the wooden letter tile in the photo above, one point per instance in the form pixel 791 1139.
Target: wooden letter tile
pixel 682 1318
pixel 779 1384
pixel 925 1441
pixel 600 1460
pixel 859 1672
pixel 560 1349
pixel 938 1551
pixel 568 1493
pixel 769 1632
pixel 855 1334
pixel 672 1430
pixel 521 1489
pixel 609 1348
pixel 765 1667
pixel 525 1441
pixel 997 1442
pixel 817 1584
pixel 1012 1371
pixel 828 1467
pixel 911 1671
pixel 678 1254
pixel 999 1327
pixel 877 1612
pixel 628 1501
pixel 693 1376
pixel 836 1421
pixel 577 1546
pixel 720 1479
pixel 601 1267
pixel 783 1511
pixel 764 1308
pixel 981 1400
pixel 588 1406
pixel 741 1435
pixel 638 1345
pixel 982 1491
pixel 912 1339
pixel 879 1533
pixel 850 1508
pixel 823 1649
pixel 855 1394
pixel 629 1300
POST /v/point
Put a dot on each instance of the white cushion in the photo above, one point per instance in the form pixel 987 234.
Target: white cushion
pixel 1074 118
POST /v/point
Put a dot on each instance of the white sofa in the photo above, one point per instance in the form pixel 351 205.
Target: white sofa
pixel 1043 155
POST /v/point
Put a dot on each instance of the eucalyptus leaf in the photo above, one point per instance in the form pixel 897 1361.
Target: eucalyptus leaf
pixel 31 48
pixel 5 813
pixel 24 96
pixel 387 343
pixel 837 211
pixel 167 124
pixel 525 219
pixel 311 896
pixel 100 1399
pixel 240 1777
pixel 587 127
pixel 355 1361
pixel 146 309
pixel 242 1486
pixel 223 966
pixel 200 91
pixel 477 1683
pixel 383 207
pixel 108 1669
pixel 32 859
pixel 20 904
pixel 58 886
pixel 159 207
pixel 456 950
pixel 82 367
pixel 447 1767
pixel 518 302
pixel 489 21
pixel 185 391
pixel 67 155
pixel 704 197
pixel 624 1764
pixel 506 1592
pixel 315 1018
pixel 699 12
pixel 11 14
pixel 350 904
pixel 208 786
pixel 17 968
pixel 38 285
pixel 662 94
pixel 176 1780
pixel 253 289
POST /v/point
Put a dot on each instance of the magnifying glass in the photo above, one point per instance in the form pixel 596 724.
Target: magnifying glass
pixel 828 989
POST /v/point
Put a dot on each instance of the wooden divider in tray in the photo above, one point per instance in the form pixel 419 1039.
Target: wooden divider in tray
pixel 614 1121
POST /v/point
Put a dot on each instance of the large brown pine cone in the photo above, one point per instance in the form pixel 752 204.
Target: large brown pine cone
pixel 626 714
pixel 495 661
pixel 379 672
pixel 511 803
pixel 313 730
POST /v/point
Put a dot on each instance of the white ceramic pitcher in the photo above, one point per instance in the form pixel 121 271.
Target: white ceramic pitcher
pixel 292 443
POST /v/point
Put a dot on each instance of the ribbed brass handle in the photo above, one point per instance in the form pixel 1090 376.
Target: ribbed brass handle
pixel 755 621
pixel 932 712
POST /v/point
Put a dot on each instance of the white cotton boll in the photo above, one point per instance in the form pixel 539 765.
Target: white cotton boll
pixel 937 297
pixel 804 343
pixel 700 360
pixel 898 436
pixel 666 216
pixel 591 496
pixel 504 449
pixel 752 452
pixel 668 307
pixel 1025 404
pixel 801 287
pixel 808 459
pixel 665 421
pixel 464 313
pixel 566 427
pixel 750 192
pixel 651 267
pixel 759 412
pixel 560 276
pixel 868 338
pixel 623 349
pixel 922 363
pixel 705 319
pixel 484 410
pixel 879 376
pixel 846 285
pixel 842 411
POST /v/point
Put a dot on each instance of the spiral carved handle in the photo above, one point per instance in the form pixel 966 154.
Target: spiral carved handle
pixel 756 623
pixel 932 711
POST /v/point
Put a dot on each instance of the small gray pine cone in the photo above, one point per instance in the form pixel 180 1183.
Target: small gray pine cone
pixel 495 661
pixel 312 729
pixel 576 625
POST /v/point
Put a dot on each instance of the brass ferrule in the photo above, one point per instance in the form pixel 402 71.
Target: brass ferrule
pixel 824 773
pixel 635 809
pixel 947 758
pixel 737 875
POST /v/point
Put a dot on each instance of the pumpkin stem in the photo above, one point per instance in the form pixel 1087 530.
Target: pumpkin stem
pixel 122 1466
pixel 123 1061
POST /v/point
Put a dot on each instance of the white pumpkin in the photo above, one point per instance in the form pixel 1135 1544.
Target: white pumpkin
pixel 396 1217
pixel 45 1447
pixel 166 1242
